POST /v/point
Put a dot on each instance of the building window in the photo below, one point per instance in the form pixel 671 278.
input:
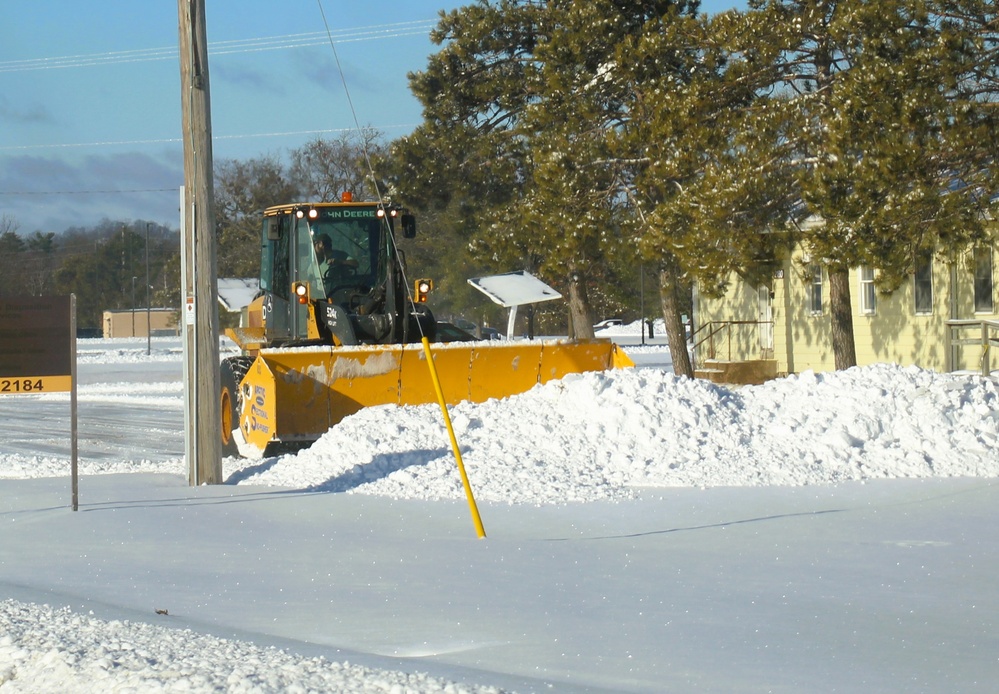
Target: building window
pixel 815 289
pixel 983 280
pixel 868 293
pixel 923 283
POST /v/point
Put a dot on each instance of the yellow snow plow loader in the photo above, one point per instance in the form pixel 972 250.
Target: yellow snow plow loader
pixel 335 329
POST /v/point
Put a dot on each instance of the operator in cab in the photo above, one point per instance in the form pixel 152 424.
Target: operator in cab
pixel 335 266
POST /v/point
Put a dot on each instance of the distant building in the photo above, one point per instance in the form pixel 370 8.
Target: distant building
pixel 125 323
pixel 234 296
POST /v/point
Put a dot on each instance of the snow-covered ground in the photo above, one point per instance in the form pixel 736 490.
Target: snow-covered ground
pixel 822 532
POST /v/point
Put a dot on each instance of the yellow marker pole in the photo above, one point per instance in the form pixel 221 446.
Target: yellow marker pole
pixel 479 530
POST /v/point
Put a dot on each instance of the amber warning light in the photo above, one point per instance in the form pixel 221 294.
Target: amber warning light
pixel 422 289
pixel 301 290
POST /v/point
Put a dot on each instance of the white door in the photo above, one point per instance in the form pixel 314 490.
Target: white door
pixel 766 319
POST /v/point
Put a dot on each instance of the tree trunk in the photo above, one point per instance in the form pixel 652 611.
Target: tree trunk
pixel 844 347
pixel 580 313
pixel 669 295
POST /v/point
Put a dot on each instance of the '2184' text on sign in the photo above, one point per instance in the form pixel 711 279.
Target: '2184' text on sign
pixel 36 344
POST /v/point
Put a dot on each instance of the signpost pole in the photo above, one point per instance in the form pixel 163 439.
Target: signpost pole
pixel 73 431
pixel 149 325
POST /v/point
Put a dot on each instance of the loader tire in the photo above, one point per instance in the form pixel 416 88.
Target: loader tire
pixel 231 372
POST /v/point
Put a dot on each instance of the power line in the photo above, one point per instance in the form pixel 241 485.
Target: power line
pixel 106 143
pixel 88 192
pixel 173 140
pixel 216 48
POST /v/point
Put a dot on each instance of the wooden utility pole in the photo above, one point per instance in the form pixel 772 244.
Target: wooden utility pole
pixel 201 313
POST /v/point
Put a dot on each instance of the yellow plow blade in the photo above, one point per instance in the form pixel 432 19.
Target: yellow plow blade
pixel 296 395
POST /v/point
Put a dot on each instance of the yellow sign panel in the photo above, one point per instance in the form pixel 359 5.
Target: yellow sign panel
pixel 33 385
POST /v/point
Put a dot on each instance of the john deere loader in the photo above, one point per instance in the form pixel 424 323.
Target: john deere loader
pixel 336 329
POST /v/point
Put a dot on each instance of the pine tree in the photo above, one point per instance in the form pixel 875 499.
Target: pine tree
pixel 682 126
pixel 517 111
pixel 12 249
pixel 874 124
pixel 578 177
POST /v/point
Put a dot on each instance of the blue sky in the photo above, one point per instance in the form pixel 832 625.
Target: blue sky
pixel 90 120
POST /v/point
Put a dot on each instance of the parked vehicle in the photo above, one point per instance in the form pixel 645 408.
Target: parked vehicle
pixel 466 325
pixel 447 332
pixel 607 323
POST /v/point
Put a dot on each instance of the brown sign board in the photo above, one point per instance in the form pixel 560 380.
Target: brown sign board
pixel 36 344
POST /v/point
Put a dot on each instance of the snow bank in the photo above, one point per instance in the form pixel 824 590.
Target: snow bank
pixel 602 435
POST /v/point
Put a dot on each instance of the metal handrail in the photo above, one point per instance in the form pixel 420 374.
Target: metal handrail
pixel 715 327
pixel 987 336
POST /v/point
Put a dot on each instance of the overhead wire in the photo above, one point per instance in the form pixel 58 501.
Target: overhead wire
pixel 88 192
pixel 172 140
pixel 216 48
pixel 229 47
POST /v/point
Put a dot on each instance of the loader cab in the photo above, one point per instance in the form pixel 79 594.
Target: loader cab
pixel 345 264
pixel 344 253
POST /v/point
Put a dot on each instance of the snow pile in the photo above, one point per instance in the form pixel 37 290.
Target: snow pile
pixel 602 435
pixel 56 650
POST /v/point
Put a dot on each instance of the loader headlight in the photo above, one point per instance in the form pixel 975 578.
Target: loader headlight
pixel 422 290
pixel 301 290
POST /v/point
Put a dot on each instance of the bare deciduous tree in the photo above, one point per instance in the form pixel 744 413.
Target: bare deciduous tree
pixel 323 169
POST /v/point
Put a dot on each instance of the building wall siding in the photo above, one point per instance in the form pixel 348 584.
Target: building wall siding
pixel 894 333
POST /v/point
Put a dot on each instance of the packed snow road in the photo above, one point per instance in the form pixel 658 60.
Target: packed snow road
pixel 824 532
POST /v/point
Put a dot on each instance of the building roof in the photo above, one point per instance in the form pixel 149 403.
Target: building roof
pixel 139 309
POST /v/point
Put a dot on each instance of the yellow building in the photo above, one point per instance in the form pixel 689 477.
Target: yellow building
pixel 780 321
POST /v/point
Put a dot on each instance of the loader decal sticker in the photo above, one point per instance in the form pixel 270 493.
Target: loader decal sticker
pixel 368 213
pixel 259 395
pixel 257 412
pixel 257 426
